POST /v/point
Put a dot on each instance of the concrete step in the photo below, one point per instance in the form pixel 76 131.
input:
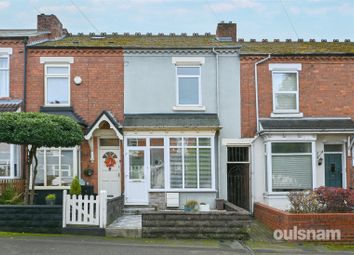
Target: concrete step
pixel 126 226
pixel 136 210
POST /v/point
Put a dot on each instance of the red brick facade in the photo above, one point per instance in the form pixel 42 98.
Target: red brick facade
pixel 326 89
pixel 326 86
pixel 278 219
pixel 102 88
pixel 17 61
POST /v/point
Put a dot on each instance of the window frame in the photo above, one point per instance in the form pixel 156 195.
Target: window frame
pixel 7 57
pixel 269 163
pixel 76 167
pixel 14 150
pixel 275 110
pixel 167 160
pixel 46 76
pixel 178 104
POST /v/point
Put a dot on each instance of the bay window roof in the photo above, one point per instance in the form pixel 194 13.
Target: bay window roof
pixel 66 111
pixel 315 125
pixel 179 120
pixel 10 105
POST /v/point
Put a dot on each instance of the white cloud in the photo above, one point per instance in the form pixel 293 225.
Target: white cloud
pixel 4 5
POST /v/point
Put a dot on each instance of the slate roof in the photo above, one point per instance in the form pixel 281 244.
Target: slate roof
pixel 285 48
pixel 10 105
pixel 20 32
pixel 309 124
pixel 138 41
pixel 201 41
pixel 179 120
pixel 66 111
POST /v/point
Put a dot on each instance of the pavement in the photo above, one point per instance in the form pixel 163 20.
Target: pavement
pixel 31 244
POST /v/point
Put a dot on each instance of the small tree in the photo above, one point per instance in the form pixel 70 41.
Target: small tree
pixel 75 188
pixel 35 130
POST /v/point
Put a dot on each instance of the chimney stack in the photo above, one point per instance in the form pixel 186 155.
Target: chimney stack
pixel 226 31
pixel 50 23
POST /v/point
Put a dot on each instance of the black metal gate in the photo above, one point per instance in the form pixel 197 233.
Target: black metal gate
pixel 238 184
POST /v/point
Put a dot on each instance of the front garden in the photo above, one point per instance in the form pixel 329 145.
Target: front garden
pixel 313 216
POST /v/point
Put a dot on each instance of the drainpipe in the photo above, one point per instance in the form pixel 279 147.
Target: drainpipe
pixel 256 87
pixel 25 74
pixel 218 113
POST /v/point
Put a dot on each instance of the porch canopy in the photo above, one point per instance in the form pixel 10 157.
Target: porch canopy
pixel 108 117
pixel 170 121
pixel 307 125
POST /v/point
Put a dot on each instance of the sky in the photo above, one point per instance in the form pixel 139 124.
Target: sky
pixel 258 19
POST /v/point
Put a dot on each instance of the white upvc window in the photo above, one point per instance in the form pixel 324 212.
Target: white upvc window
pixel 9 161
pixel 4 76
pixel 290 166
pixel 57 167
pixel 57 85
pixel 191 165
pixel 188 86
pixel 285 91
pixel 285 84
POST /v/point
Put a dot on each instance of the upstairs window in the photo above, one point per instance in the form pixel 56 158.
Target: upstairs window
pixel 285 83
pixel 4 76
pixel 285 91
pixel 57 85
pixel 188 86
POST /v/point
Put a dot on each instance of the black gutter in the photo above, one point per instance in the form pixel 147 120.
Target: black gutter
pixel 25 41
pixel 314 54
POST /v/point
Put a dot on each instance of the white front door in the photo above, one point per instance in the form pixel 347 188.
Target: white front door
pixel 109 171
pixel 136 188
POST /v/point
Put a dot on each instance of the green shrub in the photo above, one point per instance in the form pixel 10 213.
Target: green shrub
pixel 75 188
pixel 304 202
pixel 192 204
pixel 10 196
pixel 51 197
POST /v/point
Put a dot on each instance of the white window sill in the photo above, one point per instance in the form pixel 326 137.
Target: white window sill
pixel 56 105
pixel 189 108
pixel 183 190
pixel 51 187
pixel 286 115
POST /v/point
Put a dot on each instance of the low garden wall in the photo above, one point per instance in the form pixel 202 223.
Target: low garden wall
pixel 278 219
pixel 31 218
pixel 203 225
pixel 115 208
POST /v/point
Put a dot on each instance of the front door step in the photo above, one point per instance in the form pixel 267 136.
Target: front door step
pixel 126 226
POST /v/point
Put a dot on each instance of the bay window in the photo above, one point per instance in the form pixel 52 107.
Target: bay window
pixel 291 166
pixel 9 161
pixel 4 76
pixel 57 166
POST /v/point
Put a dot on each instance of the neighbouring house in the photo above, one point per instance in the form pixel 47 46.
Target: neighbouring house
pixel 85 82
pixel 297 106
pixel 13 47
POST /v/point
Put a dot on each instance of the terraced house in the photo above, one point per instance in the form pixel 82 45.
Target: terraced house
pixel 171 118
pixel 180 98
pixel 297 101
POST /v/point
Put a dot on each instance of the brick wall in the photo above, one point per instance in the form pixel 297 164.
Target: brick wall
pixel 326 86
pixel 16 67
pixel 277 219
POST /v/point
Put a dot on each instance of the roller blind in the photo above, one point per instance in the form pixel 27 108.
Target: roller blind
pixel 291 172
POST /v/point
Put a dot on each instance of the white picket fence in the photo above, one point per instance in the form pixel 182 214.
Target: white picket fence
pixel 85 210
